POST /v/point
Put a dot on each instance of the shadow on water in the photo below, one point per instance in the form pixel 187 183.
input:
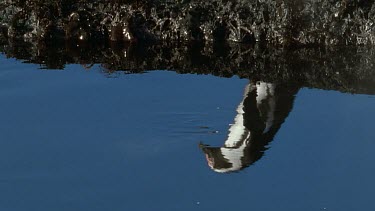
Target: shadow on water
pixel 275 76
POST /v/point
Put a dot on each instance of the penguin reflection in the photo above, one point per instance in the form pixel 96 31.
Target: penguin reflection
pixel 260 115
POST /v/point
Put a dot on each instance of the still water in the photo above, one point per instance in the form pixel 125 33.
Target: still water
pixel 88 140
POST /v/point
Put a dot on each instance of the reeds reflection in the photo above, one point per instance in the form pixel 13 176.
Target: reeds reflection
pixel 260 115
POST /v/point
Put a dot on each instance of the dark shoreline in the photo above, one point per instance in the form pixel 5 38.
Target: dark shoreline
pixel 346 69
pixel 324 44
pixel 274 22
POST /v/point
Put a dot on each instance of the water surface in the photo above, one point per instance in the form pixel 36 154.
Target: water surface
pixel 89 140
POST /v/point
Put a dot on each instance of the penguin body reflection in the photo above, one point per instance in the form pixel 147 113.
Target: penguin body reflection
pixel 260 115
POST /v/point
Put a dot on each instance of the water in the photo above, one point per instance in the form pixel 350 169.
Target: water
pixel 88 140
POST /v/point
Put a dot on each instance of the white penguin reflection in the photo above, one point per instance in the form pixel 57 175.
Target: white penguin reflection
pixel 259 116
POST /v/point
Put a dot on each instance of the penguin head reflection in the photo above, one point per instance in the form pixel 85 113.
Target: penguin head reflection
pixel 259 116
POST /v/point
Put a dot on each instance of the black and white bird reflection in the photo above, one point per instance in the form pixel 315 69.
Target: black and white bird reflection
pixel 260 115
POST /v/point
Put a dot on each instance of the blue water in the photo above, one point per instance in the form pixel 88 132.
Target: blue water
pixel 85 140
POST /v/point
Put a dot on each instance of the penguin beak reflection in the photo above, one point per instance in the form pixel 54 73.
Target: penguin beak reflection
pixel 210 161
pixel 209 158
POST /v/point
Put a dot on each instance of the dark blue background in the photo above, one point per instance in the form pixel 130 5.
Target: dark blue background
pixel 85 140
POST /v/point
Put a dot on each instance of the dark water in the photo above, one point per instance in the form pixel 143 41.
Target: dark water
pixel 88 140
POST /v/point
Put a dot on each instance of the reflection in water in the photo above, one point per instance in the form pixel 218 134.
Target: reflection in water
pixel 259 116
pixel 265 105
pixel 346 69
